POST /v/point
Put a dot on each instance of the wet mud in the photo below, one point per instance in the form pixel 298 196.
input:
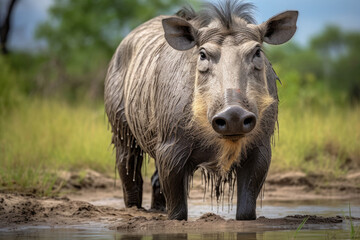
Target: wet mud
pixel 101 205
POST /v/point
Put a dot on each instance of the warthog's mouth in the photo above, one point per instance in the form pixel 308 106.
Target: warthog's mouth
pixel 234 137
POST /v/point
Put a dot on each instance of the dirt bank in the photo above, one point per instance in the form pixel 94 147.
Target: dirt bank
pixel 77 205
pixel 18 211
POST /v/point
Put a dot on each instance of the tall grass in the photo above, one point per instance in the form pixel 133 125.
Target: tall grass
pixel 40 137
pixel 317 140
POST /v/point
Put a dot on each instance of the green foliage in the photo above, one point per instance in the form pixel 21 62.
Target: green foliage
pixel 96 24
pixel 329 42
pixel 41 137
pixel 321 141
pixel 325 72
pixel 82 35
pixel 9 92
pixel 341 53
pixel 318 84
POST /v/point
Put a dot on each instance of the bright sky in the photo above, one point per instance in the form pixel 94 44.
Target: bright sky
pixel 314 16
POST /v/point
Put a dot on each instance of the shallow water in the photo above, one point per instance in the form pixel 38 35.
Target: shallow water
pixel 268 209
pixel 199 207
pixel 325 208
pixel 91 233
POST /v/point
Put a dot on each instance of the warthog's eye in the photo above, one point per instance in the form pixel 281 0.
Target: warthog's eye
pixel 202 55
pixel 258 53
pixel 203 62
pixel 257 60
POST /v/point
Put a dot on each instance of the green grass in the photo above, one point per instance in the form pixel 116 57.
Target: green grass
pixel 300 227
pixel 39 137
pixel 354 232
pixel 325 141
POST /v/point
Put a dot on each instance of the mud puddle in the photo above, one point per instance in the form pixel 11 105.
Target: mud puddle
pixel 105 218
pixel 259 230
pixel 98 213
pixel 268 209
pixel 91 234
pixel 279 209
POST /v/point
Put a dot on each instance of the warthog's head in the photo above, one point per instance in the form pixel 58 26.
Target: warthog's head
pixel 231 89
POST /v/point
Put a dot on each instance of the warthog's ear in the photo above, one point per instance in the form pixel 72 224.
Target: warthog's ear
pixel 280 28
pixel 179 33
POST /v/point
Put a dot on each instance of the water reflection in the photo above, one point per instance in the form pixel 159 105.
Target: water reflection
pixel 57 234
pixel 186 236
pixel 190 236
pixel 176 236
pixel 282 209
pixel 271 235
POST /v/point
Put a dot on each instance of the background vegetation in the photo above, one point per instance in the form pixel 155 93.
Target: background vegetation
pixel 51 102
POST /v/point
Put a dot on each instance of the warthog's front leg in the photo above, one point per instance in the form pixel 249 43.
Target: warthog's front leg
pixel 175 192
pixel 171 162
pixel 250 179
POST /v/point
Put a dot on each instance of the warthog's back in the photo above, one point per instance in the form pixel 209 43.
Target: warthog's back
pixel 146 87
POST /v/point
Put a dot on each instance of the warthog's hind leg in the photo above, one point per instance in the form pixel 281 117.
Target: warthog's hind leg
pixel 129 161
pixel 157 200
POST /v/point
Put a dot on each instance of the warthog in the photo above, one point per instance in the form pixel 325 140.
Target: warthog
pixel 195 90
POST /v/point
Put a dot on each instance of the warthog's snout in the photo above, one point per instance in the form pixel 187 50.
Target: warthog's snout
pixel 234 121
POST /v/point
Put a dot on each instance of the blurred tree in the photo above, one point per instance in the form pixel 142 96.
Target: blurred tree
pixel 330 43
pixel 293 56
pixel 82 35
pixel 5 23
pixel 330 62
pixel 340 53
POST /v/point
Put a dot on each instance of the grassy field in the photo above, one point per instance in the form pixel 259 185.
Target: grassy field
pixel 39 137
pixel 317 141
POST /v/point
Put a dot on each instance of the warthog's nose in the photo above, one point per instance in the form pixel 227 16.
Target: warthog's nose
pixel 234 121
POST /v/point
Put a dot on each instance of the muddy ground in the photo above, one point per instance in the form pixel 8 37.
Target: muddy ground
pixel 76 206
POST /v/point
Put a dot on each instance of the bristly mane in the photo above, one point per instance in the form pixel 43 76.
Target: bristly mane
pixel 224 11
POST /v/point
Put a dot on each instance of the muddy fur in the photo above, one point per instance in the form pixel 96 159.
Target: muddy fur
pixel 160 101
